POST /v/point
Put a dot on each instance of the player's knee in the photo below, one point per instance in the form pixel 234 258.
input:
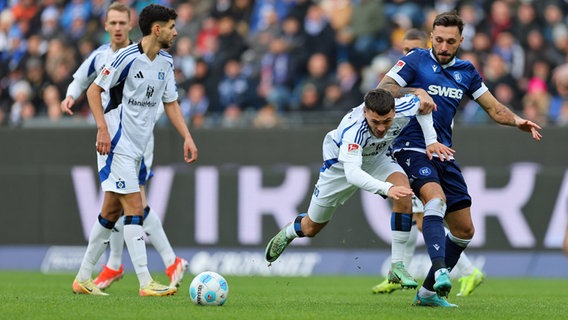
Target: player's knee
pixel 435 207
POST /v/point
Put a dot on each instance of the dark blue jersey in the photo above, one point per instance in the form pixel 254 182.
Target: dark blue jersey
pixel 447 84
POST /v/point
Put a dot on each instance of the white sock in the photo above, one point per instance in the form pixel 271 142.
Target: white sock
pixel 398 246
pixel 153 228
pixel 425 293
pixel 133 236
pixel 98 241
pixel 464 265
pixel 116 245
pixel 290 231
pixel 410 245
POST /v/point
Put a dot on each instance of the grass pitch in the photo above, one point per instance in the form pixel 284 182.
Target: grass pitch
pixel 28 295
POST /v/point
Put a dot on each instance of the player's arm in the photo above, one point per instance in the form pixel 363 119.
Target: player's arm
pixel 82 78
pixel 503 115
pixel 426 102
pixel 444 152
pixel 350 155
pixel 173 111
pixel 96 106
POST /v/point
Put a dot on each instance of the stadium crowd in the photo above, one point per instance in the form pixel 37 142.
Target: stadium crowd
pixel 269 63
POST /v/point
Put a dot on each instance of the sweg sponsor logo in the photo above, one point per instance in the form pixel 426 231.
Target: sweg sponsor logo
pixel 445 91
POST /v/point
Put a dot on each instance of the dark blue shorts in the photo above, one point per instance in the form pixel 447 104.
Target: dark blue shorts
pixel 421 170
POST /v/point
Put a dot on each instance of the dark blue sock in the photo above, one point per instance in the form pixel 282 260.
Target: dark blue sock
pixel 453 252
pixel 434 237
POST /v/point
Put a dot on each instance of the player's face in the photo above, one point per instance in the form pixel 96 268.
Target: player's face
pixel 167 34
pixel 408 45
pixel 118 26
pixel 378 124
pixel 445 43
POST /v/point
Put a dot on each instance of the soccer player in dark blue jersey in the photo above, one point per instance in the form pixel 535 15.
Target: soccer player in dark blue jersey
pixel 440 80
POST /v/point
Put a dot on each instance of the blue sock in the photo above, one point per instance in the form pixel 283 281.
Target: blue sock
pixel 453 252
pixel 401 221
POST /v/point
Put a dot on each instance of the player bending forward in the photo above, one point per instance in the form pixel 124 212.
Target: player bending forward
pixel 355 157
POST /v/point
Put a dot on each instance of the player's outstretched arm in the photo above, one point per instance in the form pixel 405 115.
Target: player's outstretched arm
pixel 503 115
pixel 173 112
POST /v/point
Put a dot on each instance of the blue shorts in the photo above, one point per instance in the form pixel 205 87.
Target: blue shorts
pixel 446 173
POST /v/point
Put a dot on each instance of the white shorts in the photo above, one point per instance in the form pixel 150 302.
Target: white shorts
pixel 118 173
pixel 332 188
pixel 145 172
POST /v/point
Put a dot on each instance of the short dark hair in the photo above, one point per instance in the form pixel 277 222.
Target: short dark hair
pixel 379 101
pixel 154 13
pixel 415 34
pixel 449 19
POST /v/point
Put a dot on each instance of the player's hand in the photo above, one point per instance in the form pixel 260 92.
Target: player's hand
pixel 67 104
pixel 189 150
pixel 529 126
pixel 398 192
pixel 443 152
pixel 427 104
pixel 103 141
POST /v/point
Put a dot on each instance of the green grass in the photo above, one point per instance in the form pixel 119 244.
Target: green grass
pixel 27 295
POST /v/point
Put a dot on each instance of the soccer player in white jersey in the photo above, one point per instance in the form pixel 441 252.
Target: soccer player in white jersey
pixel 471 277
pixel 356 157
pixel 117 24
pixel 439 78
pixel 139 78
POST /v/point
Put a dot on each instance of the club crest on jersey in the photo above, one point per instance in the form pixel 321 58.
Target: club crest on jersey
pixel 458 76
pixel 161 75
pixel 121 184
pixel 352 147
pixel 399 65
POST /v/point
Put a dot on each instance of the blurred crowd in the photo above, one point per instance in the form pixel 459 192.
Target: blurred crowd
pixel 270 63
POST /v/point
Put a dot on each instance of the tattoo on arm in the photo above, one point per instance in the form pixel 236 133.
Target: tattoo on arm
pixel 394 88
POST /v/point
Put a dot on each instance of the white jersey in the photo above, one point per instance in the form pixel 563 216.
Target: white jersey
pixel 352 145
pixel 136 89
pixel 89 69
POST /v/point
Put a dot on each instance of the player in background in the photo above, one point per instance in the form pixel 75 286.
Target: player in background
pixel 472 277
pixel 118 25
pixel 356 156
pixel 438 78
pixel 138 79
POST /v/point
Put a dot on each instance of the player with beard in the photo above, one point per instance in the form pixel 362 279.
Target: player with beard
pixel 439 78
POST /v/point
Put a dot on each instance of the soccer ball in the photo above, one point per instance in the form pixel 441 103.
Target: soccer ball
pixel 209 289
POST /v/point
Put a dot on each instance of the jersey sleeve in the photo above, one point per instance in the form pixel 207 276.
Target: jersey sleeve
pixel 83 77
pixel 350 154
pixel 404 70
pixel 171 93
pixel 477 87
pixel 409 106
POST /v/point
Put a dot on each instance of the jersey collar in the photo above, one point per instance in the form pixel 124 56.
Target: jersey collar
pixel 449 64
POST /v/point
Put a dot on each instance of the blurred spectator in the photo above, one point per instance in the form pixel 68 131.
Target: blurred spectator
pixel 471 18
pixel 75 9
pixel 51 102
pixel 184 57
pixel 410 9
pixel 368 27
pixel 231 44
pixel 536 102
pixel 499 19
pixel 559 104
pixel 320 35
pixel 35 77
pixel 50 27
pixel 277 71
pixel 553 19
pixel 349 82
pixel 318 77
pixel 206 45
pixel 267 117
pixel 194 105
pixel 187 24
pixel 22 108
pixel 513 55
pixel 235 89
pixel 525 21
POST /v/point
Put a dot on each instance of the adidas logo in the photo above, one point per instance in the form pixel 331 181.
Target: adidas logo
pixel 139 75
